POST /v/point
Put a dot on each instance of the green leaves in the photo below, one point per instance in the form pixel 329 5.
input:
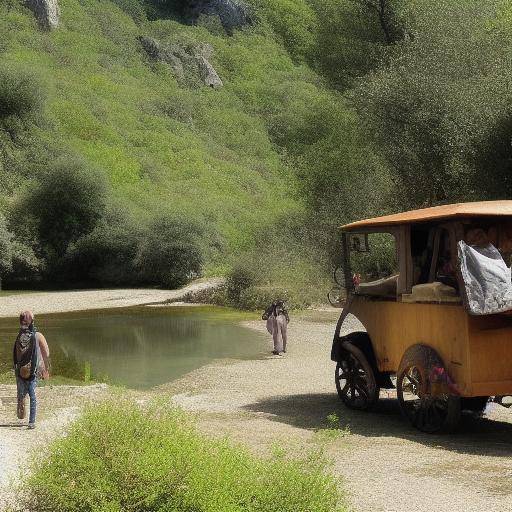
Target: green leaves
pixel 119 457
pixel 442 101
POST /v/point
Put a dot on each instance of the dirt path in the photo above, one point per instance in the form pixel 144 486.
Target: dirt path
pixel 386 465
pixel 60 302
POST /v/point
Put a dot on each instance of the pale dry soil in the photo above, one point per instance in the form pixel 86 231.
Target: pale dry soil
pixel 383 464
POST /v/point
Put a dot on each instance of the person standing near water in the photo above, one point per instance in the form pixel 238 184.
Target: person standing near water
pixel 31 357
pixel 277 319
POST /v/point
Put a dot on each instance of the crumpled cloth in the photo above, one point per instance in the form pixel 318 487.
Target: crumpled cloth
pixel 487 279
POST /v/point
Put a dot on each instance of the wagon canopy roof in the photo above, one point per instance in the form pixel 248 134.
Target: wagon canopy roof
pixel 448 211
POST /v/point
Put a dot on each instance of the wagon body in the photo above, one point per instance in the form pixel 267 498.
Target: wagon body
pixel 475 351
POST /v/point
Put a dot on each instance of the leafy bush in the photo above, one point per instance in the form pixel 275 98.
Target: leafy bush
pixel 170 252
pixel 118 457
pixel 294 21
pixel 239 279
pixel 106 255
pixel 66 205
pixel 5 249
pixel 20 92
pixel 134 8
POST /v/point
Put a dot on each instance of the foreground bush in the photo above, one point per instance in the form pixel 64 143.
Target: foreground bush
pixel 119 458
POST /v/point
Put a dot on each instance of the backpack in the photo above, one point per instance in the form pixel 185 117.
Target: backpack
pixel 25 353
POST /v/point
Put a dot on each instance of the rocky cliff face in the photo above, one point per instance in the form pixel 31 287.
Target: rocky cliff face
pixel 184 61
pixel 232 13
pixel 47 12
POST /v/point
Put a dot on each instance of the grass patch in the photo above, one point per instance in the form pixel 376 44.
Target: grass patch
pixel 332 430
pixel 118 457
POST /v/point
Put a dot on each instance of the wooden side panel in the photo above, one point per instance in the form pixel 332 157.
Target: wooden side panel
pixel 395 326
pixel 491 354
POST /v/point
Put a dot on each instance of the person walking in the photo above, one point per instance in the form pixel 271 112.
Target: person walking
pixel 31 357
pixel 277 319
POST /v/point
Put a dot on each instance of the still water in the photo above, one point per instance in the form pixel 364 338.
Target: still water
pixel 137 347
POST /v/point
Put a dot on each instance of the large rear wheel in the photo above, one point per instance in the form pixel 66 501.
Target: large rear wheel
pixel 355 379
pixel 423 396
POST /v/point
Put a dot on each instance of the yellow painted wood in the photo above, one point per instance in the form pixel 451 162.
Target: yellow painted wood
pixel 395 326
pixel 477 351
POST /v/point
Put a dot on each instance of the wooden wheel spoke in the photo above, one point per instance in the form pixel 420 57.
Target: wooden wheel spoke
pixel 355 379
pixel 427 412
pixel 363 391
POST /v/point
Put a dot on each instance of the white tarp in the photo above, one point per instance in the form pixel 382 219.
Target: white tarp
pixel 486 277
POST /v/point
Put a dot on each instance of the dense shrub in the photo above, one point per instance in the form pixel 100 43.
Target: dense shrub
pixel 66 205
pixel 170 252
pixel 118 458
pixel 5 249
pixel 20 92
pixel 439 110
pixel 241 277
pixel 106 255
pixel 134 8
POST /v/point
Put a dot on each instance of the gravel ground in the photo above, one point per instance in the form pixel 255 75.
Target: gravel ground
pixel 60 302
pixel 385 465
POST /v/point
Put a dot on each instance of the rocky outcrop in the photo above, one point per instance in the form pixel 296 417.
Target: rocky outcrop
pixel 206 71
pixel 47 12
pixel 232 13
pixel 192 61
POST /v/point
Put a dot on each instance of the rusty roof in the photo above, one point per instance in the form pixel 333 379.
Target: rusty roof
pixel 448 211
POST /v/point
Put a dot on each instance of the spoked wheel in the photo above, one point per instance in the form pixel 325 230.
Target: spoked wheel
pixel 355 379
pixel 427 405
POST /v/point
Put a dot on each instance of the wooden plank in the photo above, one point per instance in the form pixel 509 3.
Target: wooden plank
pixel 396 326
pixel 490 348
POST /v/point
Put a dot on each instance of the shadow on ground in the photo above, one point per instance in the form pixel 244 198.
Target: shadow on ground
pixel 481 436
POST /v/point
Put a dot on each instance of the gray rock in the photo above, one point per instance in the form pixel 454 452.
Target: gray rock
pixel 47 12
pixel 232 13
pixel 171 55
pixel 208 73
pixel 194 60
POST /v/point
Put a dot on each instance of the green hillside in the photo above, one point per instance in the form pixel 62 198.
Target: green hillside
pixel 118 165
pixel 162 144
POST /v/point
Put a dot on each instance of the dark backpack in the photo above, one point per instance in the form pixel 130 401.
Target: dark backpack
pixel 25 353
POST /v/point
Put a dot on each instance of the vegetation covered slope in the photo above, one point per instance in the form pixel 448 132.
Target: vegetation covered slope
pixel 330 110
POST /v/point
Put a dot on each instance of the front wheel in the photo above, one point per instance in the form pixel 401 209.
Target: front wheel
pixel 426 404
pixel 355 379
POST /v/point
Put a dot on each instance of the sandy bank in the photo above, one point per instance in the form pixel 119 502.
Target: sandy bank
pixel 64 301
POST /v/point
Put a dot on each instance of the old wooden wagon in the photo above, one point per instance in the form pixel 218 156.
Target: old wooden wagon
pixel 433 317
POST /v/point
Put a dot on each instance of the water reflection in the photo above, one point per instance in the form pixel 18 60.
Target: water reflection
pixel 138 347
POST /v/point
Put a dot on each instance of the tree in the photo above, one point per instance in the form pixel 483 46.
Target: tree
pixel 442 102
pixel 352 37
pixel 67 204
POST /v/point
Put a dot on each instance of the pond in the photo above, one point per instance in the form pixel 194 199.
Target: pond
pixel 138 347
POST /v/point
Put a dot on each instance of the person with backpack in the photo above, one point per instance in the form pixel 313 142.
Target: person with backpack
pixel 31 357
pixel 277 319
